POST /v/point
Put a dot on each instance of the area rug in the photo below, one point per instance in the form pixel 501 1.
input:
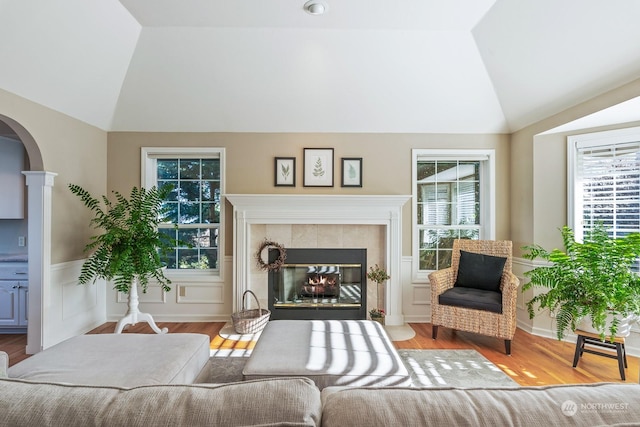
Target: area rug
pixel 428 368
pixel 455 368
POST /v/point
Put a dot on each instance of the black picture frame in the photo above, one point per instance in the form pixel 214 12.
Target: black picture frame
pixel 284 171
pixel 351 172
pixel 318 167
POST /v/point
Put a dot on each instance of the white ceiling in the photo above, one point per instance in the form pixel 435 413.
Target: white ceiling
pixel 454 66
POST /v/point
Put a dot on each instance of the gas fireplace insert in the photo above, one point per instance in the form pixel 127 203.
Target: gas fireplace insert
pixel 319 283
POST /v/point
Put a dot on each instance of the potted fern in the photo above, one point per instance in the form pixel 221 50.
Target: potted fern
pixel 128 251
pixel 592 282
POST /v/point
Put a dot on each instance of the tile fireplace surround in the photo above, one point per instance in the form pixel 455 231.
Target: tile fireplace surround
pixel 373 222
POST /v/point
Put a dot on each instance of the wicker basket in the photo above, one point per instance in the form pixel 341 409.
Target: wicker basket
pixel 250 321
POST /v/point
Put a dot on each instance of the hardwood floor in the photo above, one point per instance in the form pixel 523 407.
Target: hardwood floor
pixel 534 360
pixel 14 345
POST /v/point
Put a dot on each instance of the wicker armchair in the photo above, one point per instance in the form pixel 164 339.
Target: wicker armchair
pixel 500 324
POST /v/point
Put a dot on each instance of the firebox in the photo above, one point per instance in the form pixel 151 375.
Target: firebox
pixel 319 283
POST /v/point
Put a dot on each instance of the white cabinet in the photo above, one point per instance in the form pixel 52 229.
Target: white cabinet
pixel 14 296
pixel 12 182
pixel 23 304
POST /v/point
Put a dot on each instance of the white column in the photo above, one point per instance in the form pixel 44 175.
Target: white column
pixel 39 185
pixel 242 247
pixel 393 290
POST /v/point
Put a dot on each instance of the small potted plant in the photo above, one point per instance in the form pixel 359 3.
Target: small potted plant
pixel 377 314
pixel 593 280
pixel 378 275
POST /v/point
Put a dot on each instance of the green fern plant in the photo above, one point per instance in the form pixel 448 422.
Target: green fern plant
pixel 593 278
pixel 131 245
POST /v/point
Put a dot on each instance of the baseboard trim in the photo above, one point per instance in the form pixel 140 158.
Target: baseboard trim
pixel 180 318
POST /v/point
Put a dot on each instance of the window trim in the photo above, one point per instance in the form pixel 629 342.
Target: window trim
pixel 487 201
pixel 148 178
pixel 593 139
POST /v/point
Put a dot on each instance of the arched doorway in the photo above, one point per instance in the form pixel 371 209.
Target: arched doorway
pixel 39 183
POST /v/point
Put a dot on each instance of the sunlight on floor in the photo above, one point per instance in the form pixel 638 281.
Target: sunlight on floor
pixel 512 373
pixel 230 352
pixel 223 347
pixel 447 370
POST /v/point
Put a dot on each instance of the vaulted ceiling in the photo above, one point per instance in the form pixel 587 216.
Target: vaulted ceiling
pixel 410 66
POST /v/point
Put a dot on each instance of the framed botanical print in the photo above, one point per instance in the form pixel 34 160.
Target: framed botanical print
pixel 352 171
pixel 318 167
pixel 285 171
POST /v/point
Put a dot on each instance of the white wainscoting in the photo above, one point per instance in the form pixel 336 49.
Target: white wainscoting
pixel 73 309
pixel 416 296
pixel 191 299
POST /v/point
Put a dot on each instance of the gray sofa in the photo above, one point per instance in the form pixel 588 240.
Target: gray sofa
pixel 560 405
pixel 298 402
pixel 291 401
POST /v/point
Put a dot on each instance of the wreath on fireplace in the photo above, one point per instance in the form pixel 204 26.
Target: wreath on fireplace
pixel 275 265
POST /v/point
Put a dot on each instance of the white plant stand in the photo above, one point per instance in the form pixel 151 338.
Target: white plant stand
pixel 134 315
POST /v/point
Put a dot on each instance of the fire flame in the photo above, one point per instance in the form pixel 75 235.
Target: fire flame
pixel 321 280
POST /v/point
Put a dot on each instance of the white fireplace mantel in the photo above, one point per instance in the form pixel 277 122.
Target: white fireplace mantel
pixel 383 210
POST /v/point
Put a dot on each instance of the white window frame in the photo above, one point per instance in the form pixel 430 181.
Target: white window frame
pixel 487 194
pixel 594 139
pixel 149 179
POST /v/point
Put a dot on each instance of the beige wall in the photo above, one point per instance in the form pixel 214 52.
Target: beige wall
pixel 551 185
pixel 528 174
pixel 530 181
pixel 72 149
pixel 250 162
pixel 539 190
pixel 539 168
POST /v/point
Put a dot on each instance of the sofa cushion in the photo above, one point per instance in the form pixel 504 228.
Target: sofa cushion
pixel 480 271
pixel 472 298
pixel 282 401
pixel 572 405
pixel 121 360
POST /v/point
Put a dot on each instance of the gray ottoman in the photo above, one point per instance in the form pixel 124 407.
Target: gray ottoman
pixel 329 352
pixel 122 360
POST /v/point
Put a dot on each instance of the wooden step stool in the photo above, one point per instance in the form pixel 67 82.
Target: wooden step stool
pixel 594 340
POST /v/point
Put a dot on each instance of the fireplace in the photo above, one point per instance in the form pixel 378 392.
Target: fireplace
pixel 260 216
pixel 319 283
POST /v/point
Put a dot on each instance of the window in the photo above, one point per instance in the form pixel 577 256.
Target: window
pixel 604 181
pixel 452 199
pixel 195 177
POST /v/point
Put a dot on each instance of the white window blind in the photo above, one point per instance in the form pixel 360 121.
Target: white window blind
pixel 608 185
pixel 453 197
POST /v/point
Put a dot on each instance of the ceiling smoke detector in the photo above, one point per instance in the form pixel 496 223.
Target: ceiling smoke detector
pixel 315 7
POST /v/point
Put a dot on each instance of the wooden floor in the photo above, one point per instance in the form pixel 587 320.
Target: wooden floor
pixel 534 360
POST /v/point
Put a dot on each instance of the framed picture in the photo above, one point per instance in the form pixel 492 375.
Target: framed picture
pixel 352 171
pixel 285 171
pixel 318 167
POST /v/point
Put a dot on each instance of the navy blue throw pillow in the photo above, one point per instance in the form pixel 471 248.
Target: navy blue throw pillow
pixel 480 271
